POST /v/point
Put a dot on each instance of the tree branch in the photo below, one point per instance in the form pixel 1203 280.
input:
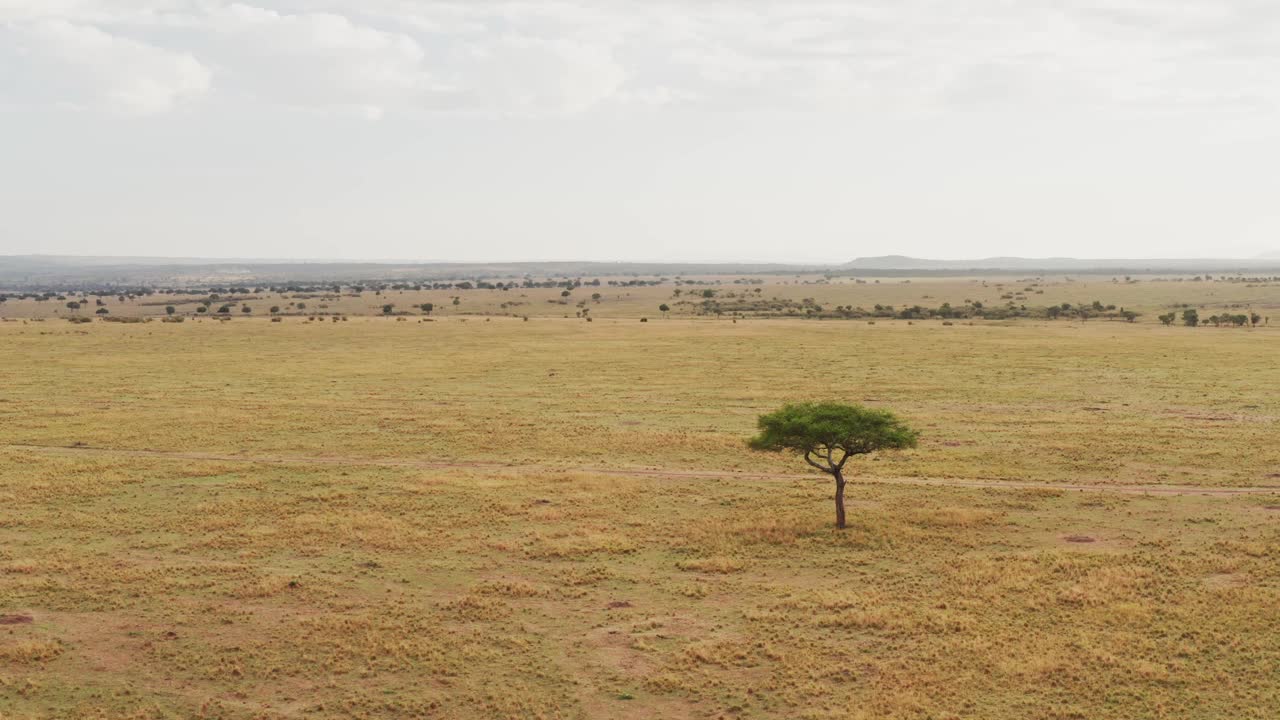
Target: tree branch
pixel 826 469
pixel 844 459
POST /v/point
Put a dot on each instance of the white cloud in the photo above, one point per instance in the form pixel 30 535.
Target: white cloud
pixel 562 56
pixel 312 60
pixel 528 75
pixel 61 62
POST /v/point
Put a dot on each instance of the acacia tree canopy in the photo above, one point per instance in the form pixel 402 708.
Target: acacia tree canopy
pixel 828 434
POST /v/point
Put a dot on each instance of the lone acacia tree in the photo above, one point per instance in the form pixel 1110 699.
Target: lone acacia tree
pixel 828 434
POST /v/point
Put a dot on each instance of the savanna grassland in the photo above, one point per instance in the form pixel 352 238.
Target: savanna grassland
pixel 494 518
pixel 754 296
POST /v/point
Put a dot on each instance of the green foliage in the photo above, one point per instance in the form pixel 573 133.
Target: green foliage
pixel 742 304
pixel 1190 317
pixel 1228 319
pixel 828 434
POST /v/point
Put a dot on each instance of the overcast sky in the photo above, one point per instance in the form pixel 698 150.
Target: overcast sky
pixel 654 130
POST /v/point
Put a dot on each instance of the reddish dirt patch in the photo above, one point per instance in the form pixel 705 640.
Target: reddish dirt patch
pixel 16 619
pixel 1079 539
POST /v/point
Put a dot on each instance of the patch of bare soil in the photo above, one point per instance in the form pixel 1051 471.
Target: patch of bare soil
pixel 16 619
pixel 102 641
pixel 1226 580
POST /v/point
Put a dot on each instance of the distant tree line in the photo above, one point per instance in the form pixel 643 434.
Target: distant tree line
pixel 1191 318
pixel 973 309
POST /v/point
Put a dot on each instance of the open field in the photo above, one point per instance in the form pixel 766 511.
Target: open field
pixel 296 519
pixel 777 294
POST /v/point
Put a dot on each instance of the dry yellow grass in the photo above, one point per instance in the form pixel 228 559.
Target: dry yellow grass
pixel 1068 402
pixel 1150 295
pixel 173 586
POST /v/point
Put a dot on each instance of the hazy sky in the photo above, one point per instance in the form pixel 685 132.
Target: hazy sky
pixel 654 130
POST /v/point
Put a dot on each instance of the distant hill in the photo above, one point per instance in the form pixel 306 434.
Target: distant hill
pixel 69 272
pixel 901 263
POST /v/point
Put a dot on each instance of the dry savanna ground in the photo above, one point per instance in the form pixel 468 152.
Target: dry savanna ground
pixel 1148 295
pixel 378 519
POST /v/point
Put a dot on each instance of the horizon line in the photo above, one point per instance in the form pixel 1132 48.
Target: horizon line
pixel 797 263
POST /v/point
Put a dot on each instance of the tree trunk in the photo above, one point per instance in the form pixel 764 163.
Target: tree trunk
pixel 839 499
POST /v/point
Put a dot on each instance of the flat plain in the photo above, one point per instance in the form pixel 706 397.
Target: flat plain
pixel 485 517
pixel 632 297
